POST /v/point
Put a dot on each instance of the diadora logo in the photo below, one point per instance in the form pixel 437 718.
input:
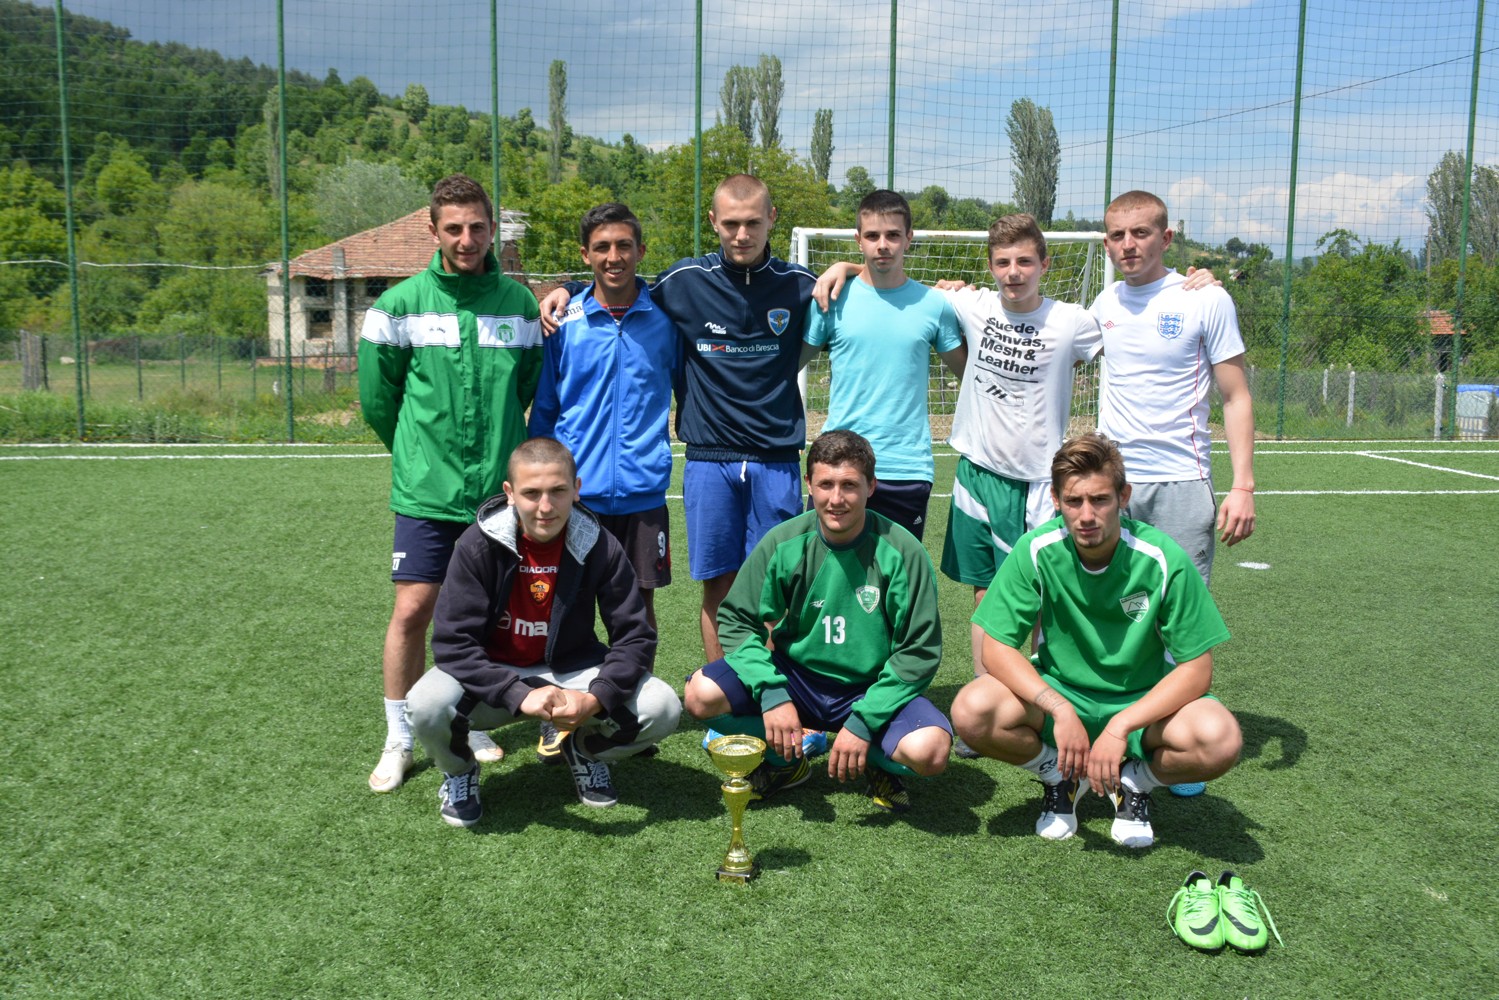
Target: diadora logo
pixel 779 319
pixel 1136 605
pixel 537 569
pixel 868 598
pixel 1169 325
pixel 506 332
pixel 530 629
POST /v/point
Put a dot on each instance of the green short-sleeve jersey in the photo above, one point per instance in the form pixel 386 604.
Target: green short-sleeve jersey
pixel 863 615
pixel 1115 631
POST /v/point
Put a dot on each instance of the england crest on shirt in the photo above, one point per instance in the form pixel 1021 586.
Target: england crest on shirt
pixel 1169 325
pixel 779 319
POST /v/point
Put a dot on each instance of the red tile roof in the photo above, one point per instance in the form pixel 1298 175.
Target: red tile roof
pixel 1441 322
pixel 397 249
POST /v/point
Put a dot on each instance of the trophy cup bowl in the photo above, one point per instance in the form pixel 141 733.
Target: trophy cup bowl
pixel 736 756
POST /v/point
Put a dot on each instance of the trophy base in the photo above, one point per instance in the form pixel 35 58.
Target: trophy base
pixel 738 877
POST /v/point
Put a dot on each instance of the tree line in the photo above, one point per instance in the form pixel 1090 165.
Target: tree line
pixel 176 163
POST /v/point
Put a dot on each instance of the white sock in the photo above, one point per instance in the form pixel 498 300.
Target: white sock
pixel 1137 777
pixel 396 728
pixel 1044 765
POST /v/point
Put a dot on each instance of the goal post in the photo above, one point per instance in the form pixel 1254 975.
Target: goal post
pixel 1079 271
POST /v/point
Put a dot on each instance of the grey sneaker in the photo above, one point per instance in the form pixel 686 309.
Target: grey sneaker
pixel 963 750
pixel 459 798
pixel 590 777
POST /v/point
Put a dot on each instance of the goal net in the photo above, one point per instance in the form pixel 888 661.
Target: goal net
pixel 1079 270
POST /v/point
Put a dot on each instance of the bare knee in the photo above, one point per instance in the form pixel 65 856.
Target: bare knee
pixel 925 751
pixel 702 698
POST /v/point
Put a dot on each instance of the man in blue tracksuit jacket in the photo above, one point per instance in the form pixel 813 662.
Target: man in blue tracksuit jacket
pixel 739 314
pixel 605 392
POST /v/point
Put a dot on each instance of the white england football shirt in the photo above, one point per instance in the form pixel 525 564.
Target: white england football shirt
pixel 1160 343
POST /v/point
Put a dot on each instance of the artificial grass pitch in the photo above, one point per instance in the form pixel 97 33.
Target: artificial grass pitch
pixel 191 702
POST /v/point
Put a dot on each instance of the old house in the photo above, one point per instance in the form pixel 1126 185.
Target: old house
pixel 332 286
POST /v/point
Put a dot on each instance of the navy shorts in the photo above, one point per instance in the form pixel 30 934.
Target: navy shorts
pixel 422 549
pixel 903 501
pixel 646 538
pixel 825 704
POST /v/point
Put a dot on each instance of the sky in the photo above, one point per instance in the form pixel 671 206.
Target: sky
pixel 1204 105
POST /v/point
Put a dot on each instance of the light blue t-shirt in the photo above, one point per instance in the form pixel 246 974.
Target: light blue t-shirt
pixel 881 344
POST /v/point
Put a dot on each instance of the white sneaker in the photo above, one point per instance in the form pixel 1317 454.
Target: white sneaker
pixel 1132 819
pixel 486 750
pixel 390 773
pixel 1058 819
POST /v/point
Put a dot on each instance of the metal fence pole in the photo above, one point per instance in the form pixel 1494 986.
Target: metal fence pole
pixel 1350 395
pixel 67 186
pixel 140 380
pixel 1285 295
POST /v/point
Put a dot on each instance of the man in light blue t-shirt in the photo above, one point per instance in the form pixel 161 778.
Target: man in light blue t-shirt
pixel 880 337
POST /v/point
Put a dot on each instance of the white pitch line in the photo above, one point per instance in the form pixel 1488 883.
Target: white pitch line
pixel 1424 465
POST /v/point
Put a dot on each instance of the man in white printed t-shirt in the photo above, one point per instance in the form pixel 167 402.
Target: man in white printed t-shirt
pixel 1164 350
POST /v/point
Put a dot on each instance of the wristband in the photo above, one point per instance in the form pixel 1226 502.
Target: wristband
pixel 1246 489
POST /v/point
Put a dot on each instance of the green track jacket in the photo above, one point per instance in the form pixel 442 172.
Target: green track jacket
pixel 448 364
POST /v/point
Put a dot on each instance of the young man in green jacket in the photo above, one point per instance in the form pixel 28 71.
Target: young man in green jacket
pixel 857 639
pixel 448 363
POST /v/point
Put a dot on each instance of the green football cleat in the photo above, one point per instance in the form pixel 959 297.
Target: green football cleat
pixel 1193 913
pixel 1240 910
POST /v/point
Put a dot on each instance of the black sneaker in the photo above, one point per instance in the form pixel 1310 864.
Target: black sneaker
pixel 1132 819
pixel 459 798
pixel 549 746
pixel 767 779
pixel 886 790
pixel 963 750
pixel 1058 819
pixel 590 777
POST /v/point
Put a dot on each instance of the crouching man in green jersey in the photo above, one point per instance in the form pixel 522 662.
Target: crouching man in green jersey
pixel 852 602
pixel 1119 697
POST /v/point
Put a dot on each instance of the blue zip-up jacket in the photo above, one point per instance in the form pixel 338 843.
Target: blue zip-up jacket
pixel 605 392
pixel 741 331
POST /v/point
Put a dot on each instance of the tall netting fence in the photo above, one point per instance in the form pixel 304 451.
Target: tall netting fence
pixel 1337 165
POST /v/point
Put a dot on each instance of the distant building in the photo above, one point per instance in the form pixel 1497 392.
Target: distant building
pixel 333 286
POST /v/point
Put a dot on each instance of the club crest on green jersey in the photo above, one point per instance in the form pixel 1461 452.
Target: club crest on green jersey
pixel 868 598
pixel 1136 605
pixel 779 319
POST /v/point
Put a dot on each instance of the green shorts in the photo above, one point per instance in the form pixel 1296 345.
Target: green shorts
pixel 1094 710
pixel 989 513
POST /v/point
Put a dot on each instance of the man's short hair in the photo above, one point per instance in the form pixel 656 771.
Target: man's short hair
pixel 1085 455
pixel 1130 200
pixel 460 189
pixel 742 187
pixel 883 202
pixel 842 448
pixel 606 214
pixel 541 451
pixel 1013 230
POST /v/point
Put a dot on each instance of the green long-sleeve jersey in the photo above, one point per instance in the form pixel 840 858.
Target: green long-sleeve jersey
pixel 863 614
pixel 448 364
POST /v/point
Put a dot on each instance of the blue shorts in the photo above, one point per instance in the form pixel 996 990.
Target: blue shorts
pixel 730 506
pixel 422 549
pixel 825 704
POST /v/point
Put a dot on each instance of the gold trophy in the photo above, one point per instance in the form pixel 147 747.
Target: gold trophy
pixel 737 756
